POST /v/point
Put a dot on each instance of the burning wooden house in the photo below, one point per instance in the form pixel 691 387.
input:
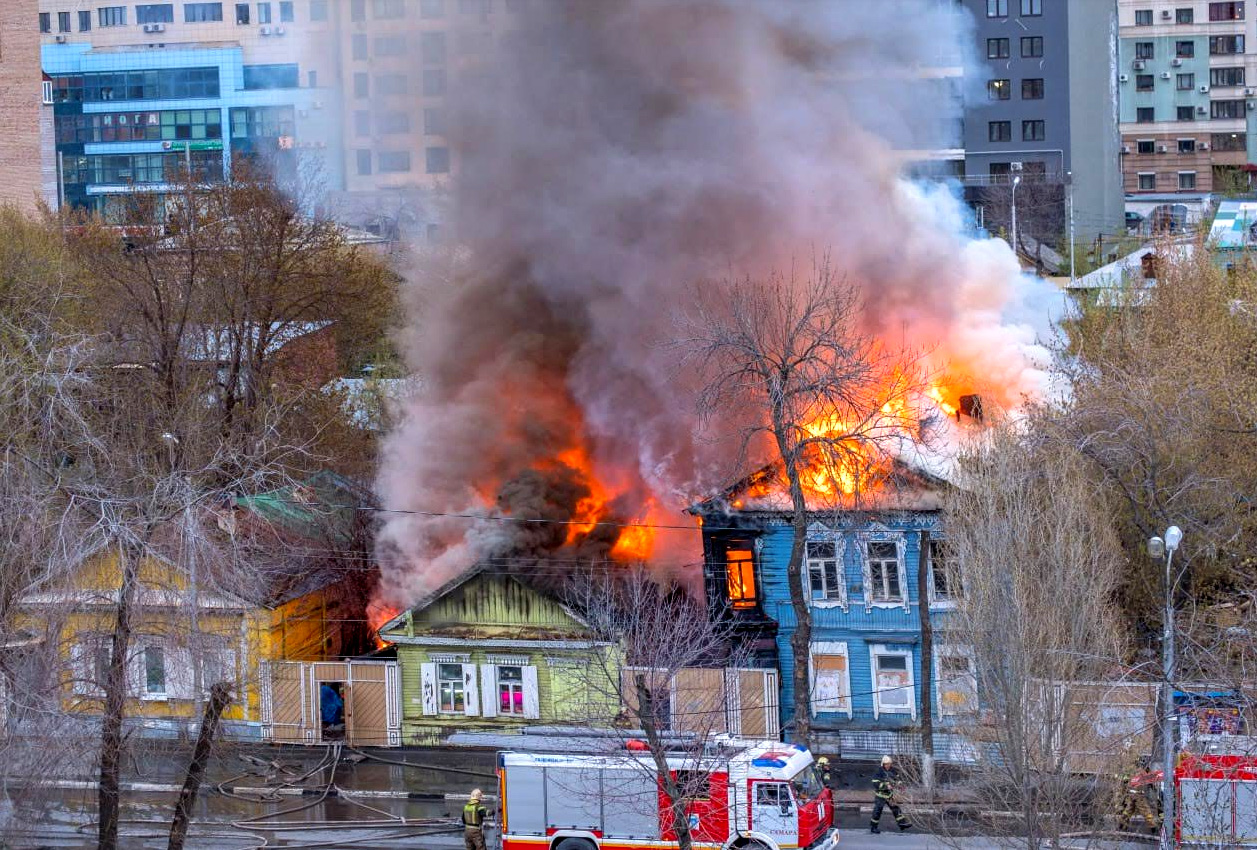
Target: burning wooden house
pixel 862 561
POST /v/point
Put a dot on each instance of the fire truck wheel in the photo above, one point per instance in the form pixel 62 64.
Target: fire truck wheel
pixel 575 844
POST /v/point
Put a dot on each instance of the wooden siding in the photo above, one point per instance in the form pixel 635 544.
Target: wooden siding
pixel 490 605
pixel 897 627
pixel 562 686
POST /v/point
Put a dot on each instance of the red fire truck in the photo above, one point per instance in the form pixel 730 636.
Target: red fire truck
pixel 1216 780
pixel 762 796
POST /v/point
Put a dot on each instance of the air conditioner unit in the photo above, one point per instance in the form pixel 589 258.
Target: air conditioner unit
pixel 1248 92
pixel 1252 105
pixel 1165 75
pixel 279 30
pixel 1014 166
pixel 265 30
pixel 1162 149
pixel 1203 146
pixel 1138 64
pixel 148 28
pixel 1204 89
pixel 1123 78
pixel 61 39
pixel 1176 62
pixel 1165 14
pixel 1125 148
pixel 318 104
pixel 159 27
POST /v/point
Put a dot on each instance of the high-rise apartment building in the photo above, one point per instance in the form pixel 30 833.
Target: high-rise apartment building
pixel 348 95
pixel 26 164
pixel 1186 81
pixel 1041 105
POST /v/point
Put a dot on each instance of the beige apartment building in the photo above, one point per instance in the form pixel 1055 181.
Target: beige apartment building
pixel 351 95
pixel 27 172
pixel 1187 80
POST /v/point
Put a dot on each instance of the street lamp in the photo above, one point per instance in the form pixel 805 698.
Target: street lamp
pixel 1159 548
pixel 1016 183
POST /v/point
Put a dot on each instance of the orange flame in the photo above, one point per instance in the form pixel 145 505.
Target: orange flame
pixel 846 457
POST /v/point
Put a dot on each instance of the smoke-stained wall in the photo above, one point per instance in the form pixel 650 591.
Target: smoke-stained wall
pixel 612 155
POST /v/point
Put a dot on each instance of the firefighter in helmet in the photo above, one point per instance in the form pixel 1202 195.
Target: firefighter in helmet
pixel 474 814
pixel 822 768
pixel 885 783
pixel 1132 793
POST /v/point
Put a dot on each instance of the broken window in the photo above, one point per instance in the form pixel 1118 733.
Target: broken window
pixel 884 579
pixel 450 688
pixel 943 570
pixel 740 567
pixel 825 572
pixel 511 690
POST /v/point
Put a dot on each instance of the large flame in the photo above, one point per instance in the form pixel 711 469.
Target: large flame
pixel 845 457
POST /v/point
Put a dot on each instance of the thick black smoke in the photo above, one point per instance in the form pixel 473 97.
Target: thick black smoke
pixel 612 153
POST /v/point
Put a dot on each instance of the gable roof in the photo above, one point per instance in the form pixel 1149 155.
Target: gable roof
pixel 542 610
pixel 906 487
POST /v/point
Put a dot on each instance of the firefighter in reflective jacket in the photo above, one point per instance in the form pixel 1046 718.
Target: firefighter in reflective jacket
pixel 474 814
pixel 884 785
pixel 822 767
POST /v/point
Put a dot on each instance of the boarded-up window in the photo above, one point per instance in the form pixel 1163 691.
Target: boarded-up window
pixel 957 683
pixel 740 564
pixel 892 682
pixel 831 678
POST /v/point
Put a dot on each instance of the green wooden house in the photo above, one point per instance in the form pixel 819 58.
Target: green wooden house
pixel 486 652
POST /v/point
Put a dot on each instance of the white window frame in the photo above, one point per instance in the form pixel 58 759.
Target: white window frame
pixel 840 551
pixel 1139 180
pixel 831 648
pixel 879 649
pixel 884 536
pixel 952 650
pixel 440 705
pixel 936 601
pixel 1180 185
pixel 145 694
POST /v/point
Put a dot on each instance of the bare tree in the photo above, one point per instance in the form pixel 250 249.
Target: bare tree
pixel 641 691
pixel 817 392
pixel 1041 564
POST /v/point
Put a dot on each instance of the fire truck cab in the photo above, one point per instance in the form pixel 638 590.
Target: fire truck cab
pixel 759 795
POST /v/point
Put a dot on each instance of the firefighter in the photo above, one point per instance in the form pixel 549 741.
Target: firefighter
pixel 1133 799
pixel 822 768
pixel 474 814
pixel 885 783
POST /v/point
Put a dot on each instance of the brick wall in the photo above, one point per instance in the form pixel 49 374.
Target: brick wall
pixel 23 160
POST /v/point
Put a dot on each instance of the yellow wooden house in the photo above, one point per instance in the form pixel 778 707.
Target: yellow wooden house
pixel 193 625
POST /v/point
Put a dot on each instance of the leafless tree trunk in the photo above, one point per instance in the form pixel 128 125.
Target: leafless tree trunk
pixel 220 698
pixel 927 663
pixel 111 733
pixel 791 363
pixel 658 632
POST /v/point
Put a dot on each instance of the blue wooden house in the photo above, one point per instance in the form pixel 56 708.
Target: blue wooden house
pixel 860 575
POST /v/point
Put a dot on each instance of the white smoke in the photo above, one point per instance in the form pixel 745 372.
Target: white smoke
pixel 610 154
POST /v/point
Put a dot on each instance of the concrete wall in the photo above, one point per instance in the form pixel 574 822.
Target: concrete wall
pixel 1053 68
pixel 1095 144
pixel 24 162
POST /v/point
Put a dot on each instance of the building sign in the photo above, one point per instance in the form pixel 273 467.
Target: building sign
pixel 201 145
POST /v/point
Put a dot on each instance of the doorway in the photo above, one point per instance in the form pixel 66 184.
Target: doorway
pixel 332 698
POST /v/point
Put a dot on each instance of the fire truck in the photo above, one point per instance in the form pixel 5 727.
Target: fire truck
pixel 1216 783
pixel 756 795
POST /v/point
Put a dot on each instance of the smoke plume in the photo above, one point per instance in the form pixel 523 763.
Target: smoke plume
pixel 610 154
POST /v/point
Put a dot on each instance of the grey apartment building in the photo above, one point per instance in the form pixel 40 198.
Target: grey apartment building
pixel 1041 105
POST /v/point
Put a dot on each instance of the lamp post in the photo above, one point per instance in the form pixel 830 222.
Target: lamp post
pixel 1165 548
pixel 1016 183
